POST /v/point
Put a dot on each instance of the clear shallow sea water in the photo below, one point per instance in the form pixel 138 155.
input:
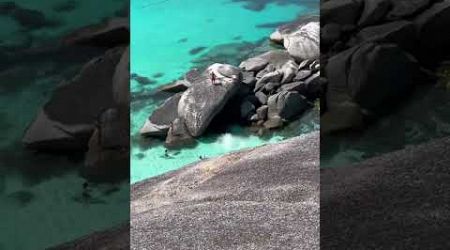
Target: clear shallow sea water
pixel 165 35
pixel 41 201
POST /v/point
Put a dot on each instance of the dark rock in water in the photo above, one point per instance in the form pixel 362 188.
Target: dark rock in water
pixel 182 40
pixel 431 24
pixel 405 8
pixel 276 185
pixel 176 87
pixel 57 129
pixel 66 6
pixel 160 120
pixel 247 110
pixel 402 33
pixel 21 198
pixel 158 75
pixel 204 100
pixel 330 33
pixel 7 7
pixel 196 50
pixel 286 105
pixel 141 79
pixel 262 112
pixel 374 12
pixel 262 98
pixel 371 83
pixel 178 135
pixel 340 12
pixel 110 33
pixel 31 19
pixel 401 198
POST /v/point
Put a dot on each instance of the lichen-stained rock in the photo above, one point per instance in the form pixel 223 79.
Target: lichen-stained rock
pixel 204 100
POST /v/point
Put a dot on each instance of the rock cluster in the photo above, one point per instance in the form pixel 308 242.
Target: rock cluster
pixel 90 112
pixel 373 53
pixel 267 90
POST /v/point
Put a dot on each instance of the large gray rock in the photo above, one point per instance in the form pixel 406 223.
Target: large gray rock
pixel 394 201
pixel 304 44
pixel 158 123
pixel 286 105
pixel 264 198
pixel 203 101
pixel 67 120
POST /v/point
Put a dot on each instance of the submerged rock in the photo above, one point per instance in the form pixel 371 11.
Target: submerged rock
pixel 110 33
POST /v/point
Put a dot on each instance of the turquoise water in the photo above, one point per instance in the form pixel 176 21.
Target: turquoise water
pixel 163 35
pixel 41 201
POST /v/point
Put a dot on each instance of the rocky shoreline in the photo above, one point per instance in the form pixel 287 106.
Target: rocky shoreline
pixel 374 53
pixel 264 92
